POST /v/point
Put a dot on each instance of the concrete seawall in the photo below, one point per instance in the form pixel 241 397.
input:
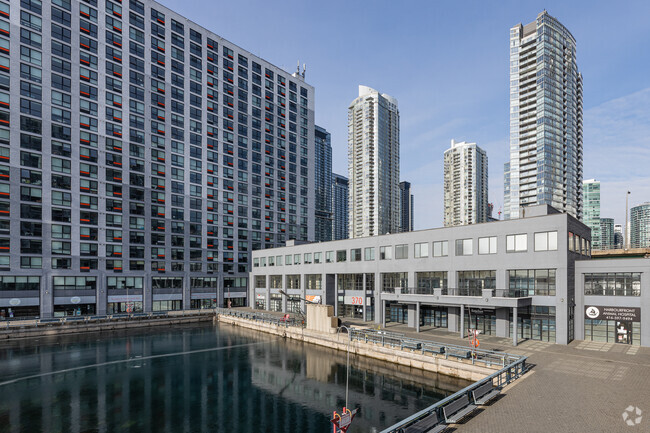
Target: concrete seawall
pixel 75 327
pixel 429 362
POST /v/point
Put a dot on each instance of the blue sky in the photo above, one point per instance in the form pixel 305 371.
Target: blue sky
pixel 446 62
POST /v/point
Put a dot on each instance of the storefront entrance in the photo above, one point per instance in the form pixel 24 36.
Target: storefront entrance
pixel 397 313
pixel 433 316
pixel 613 331
pixel 484 321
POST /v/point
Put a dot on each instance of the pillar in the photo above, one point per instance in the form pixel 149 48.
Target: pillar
pixel 365 298
pixel 462 321
pixel 503 322
pixel 412 315
pixel 417 317
pixel 514 326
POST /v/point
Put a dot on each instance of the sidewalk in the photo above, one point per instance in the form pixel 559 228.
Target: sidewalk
pixel 583 387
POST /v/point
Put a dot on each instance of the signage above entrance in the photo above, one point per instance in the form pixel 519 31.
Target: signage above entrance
pixel 621 314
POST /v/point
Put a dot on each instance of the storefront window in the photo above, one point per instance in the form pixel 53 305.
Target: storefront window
pixel 613 284
pixel 530 282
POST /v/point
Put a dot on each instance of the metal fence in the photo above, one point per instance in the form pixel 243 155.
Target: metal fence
pixel 286 320
pixel 81 320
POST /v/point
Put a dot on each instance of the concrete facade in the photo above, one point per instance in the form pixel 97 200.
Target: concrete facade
pixel 153 153
pixel 497 297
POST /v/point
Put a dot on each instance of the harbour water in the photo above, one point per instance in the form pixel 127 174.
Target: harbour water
pixel 200 378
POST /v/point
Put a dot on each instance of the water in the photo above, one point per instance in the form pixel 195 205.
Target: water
pixel 200 378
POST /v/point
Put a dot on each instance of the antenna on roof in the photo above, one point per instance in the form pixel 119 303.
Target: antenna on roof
pixel 304 69
pixel 298 68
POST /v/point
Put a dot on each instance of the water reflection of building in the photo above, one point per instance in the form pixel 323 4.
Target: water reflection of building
pixel 209 390
pixel 384 392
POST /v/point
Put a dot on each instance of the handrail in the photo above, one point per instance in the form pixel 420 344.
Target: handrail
pixel 58 321
pixel 262 317
pixel 504 376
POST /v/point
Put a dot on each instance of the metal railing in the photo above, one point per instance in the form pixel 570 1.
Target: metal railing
pixel 456 291
pixel 57 321
pixel 286 320
pixel 509 373
pixel 488 358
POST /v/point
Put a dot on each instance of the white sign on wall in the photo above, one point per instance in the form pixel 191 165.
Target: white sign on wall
pixel 353 300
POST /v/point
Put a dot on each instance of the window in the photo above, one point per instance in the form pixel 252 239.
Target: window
pixel 386 253
pixel 440 249
pixel 613 284
pixel 307 258
pixel 546 241
pixel 329 257
pixel 530 282
pixel 287 259
pixel 318 258
pixel 421 250
pixel 369 253
pixel 464 247
pixel 516 243
pixel 355 255
pixel 341 255
pixel 487 245
pixel 401 251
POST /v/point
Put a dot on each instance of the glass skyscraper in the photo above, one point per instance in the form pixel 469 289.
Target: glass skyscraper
pixel 640 226
pixel 142 158
pixel 373 164
pixel 405 207
pixel 545 119
pixel 340 206
pixel 591 214
pixel 323 183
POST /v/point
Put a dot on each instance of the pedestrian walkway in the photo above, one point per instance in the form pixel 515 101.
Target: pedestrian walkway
pixel 582 387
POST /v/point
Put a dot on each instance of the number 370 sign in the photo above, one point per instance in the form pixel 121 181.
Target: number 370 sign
pixel 353 300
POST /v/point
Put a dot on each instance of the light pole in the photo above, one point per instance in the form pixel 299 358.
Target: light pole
pixel 626 244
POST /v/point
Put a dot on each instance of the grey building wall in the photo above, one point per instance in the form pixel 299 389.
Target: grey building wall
pixel 618 265
pixel 537 220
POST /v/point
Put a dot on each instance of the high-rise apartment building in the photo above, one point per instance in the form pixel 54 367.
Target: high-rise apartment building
pixel 373 164
pixel 340 207
pixel 639 236
pixel 591 211
pixel 618 236
pixel 607 240
pixel 142 158
pixel 323 184
pixel 465 184
pixel 545 119
pixel 406 207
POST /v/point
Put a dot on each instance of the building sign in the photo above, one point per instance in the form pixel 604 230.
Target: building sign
pixel 621 314
pixel 353 300
pixel 314 299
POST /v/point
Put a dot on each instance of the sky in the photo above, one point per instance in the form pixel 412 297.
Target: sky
pixel 446 62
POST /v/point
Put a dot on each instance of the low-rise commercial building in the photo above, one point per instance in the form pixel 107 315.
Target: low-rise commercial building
pixel 529 278
pixel 509 278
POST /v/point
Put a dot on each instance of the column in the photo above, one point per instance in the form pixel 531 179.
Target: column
pixel 336 295
pixel 377 296
pixel 383 313
pixel 515 331
pixel 462 321
pixel 452 319
pixel 365 298
pixel 412 319
pixel 503 327
pixel 417 317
